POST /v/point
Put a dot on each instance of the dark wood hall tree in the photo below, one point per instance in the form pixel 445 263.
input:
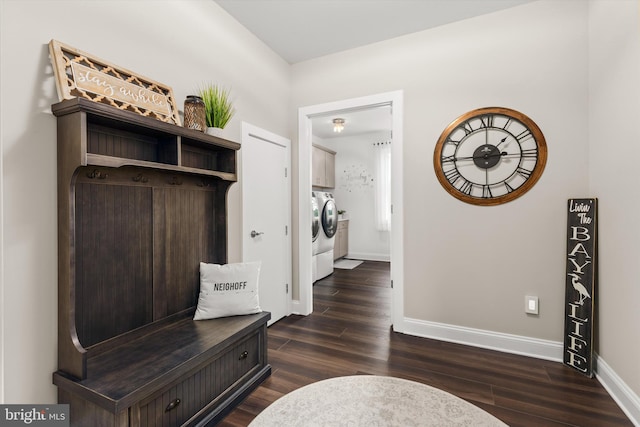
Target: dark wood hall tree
pixel 140 204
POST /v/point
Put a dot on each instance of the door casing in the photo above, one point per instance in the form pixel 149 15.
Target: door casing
pixel 304 304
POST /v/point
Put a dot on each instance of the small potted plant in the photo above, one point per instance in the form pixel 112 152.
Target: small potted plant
pixel 342 214
pixel 218 107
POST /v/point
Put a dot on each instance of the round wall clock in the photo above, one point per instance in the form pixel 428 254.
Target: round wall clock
pixel 490 156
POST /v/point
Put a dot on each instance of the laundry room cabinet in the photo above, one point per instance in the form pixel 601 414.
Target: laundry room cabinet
pixel 341 248
pixel 323 171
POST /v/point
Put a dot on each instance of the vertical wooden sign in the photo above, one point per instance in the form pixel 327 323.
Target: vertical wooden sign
pixel 580 284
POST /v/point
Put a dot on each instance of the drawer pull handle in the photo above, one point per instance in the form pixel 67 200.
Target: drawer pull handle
pixel 243 355
pixel 172 405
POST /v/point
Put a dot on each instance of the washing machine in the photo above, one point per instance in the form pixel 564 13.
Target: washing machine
pixel 315 232
pixel 327 233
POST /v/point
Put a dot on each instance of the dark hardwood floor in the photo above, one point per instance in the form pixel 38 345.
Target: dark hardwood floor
pixel 349 333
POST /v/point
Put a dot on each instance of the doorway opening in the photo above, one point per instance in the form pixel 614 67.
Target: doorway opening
pixel 359 161
pixel 303 304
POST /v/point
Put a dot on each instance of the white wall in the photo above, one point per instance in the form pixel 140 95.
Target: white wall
pixel 614 143
pixel 355 193
pixel 468 265
pixel 179 43
pixel 472 266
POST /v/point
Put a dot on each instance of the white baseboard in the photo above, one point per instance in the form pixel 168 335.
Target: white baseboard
pixel 526 346
pixel 619 391
pixel 297 308
pixel 369 257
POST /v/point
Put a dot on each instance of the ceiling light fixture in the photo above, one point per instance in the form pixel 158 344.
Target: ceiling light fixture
pixel 338 125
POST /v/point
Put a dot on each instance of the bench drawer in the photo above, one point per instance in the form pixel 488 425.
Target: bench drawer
pixel 183 401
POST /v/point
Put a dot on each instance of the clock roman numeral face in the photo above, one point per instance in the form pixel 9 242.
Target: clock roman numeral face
pixel 490 156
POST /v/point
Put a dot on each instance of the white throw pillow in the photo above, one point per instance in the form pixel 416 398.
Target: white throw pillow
pixel 228 290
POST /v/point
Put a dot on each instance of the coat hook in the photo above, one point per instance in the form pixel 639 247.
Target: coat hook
pixel 140 178
pixel 97 174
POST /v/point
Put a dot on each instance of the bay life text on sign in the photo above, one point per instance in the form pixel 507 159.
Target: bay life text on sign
pixel 580 284
pixel 79 74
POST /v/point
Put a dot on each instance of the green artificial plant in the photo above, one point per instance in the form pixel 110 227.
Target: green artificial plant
pixel 218 107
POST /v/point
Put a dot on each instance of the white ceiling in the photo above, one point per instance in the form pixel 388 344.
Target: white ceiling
pixel 357 122
pixel 299 30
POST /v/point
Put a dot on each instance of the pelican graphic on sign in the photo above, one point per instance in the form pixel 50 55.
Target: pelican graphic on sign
pixel 584 294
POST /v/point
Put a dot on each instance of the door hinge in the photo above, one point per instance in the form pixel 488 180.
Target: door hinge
pixel 392 284
pixel 287 286
pixel 286 230
pixel 285 172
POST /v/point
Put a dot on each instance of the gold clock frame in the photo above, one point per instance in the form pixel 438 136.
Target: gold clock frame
pixel 521 190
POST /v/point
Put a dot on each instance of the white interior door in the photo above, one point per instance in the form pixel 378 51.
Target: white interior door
pixel 266 209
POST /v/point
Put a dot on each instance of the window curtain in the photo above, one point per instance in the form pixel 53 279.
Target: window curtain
pixel 382 214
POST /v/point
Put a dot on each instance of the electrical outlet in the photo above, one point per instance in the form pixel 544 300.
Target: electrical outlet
pixel 531 304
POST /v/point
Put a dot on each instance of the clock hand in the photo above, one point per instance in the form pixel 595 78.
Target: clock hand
pixel 511 155
pixel 488 156
pixel 501 141
pixel 484 156
pixel 455 159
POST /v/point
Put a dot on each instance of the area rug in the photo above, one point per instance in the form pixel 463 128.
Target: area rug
pixel 346 264
pixel 372 401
